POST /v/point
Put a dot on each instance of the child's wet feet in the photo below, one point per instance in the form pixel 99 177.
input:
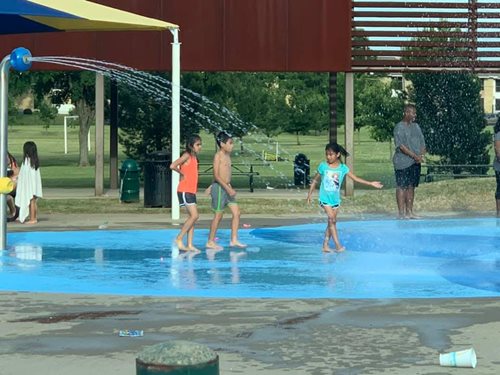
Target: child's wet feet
pixel 340 249
pixel 180 245
pixel 213 246
pixel 237 244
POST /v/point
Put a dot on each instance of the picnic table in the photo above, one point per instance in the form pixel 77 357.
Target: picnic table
pixel 238 169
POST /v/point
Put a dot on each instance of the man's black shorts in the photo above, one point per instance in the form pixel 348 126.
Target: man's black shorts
pixel 408 177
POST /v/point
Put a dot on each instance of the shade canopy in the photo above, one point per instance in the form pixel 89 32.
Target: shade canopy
pixel 34 16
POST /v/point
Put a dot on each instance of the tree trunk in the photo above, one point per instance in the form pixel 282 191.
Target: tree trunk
pixel 332 96
pixel 298 140
pixel 85 116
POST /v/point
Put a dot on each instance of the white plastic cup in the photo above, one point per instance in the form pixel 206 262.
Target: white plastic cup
pixel 462 358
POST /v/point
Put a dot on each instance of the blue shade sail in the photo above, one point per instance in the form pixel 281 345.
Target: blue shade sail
pixel 12 24
pixel 28 8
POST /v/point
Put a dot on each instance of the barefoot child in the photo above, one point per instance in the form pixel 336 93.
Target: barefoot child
pixel 187 167
pixel 332 173
pixel 222 193
pixel 29 184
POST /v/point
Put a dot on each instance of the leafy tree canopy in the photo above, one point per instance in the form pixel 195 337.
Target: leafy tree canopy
pixel 451 117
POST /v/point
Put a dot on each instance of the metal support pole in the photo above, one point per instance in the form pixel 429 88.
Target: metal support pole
pixel 4 121
pixel 99 135
pixel 349 129
pixel 176 116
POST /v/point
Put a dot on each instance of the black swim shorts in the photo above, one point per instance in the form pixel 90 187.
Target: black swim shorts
pixel 408 177
pixel 186 199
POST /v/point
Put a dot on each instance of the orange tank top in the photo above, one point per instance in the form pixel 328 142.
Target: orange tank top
pixel 189 184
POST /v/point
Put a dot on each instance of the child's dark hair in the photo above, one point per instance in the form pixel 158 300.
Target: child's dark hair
pixel 409 106
pixel 29 150
pixel 335 147
pixel 192 139
pixel 222 137
pixel 12 163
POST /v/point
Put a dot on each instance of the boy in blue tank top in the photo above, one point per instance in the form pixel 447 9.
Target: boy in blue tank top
pixel 332 172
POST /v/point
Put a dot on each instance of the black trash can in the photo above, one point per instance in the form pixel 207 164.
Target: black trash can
pixel 157 180
pixel 301 170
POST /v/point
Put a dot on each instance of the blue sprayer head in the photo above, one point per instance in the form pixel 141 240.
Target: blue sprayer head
pixel 20 59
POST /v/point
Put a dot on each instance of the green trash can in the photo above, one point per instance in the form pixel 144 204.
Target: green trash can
pixel 177 358
pixel 129 181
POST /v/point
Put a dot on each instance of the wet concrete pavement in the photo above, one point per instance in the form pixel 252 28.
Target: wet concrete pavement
pixel 41 335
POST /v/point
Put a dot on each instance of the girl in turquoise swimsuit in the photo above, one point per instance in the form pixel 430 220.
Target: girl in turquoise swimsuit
pixel 331 172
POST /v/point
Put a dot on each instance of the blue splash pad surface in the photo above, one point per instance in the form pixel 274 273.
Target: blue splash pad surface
pixel 384 259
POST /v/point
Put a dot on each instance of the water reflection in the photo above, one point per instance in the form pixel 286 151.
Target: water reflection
pixel 27 252
pixel 182 272
pixel 211 253
pixel 99 255
pixel 235 256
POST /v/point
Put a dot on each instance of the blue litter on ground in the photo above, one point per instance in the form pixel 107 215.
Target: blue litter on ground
pixel 131 333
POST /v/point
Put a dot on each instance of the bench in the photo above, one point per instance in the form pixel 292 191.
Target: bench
pixel 241 169
pixel 445 170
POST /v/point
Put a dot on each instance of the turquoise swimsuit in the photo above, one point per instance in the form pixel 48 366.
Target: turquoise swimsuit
pixel 331 182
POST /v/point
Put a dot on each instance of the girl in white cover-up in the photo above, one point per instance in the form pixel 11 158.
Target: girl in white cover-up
pixel 29 184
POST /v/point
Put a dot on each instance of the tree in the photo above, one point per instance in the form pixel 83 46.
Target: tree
pixel 380 106
pixel 144 116
pixel 77 87
pixel 48 114
pixel 235 102
pixel 19 84
pixel 451 116
pixel 378 103
pixel 144 123
pixel 306 96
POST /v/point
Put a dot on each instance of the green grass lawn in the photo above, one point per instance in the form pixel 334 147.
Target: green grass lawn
pixel 372 160
pixel 440 197
pixel 58 169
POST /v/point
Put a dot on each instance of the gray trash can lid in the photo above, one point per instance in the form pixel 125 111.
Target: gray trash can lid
pixel 159 155
pixel 177 353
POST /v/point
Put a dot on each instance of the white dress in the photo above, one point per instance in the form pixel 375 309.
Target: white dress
pixel 29 185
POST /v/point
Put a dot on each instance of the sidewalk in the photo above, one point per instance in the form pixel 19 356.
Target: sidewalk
pixel 80 193
pixel 154 219
pixel 161 219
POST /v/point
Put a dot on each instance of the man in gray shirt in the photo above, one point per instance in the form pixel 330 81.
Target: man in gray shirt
pixel 409 154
